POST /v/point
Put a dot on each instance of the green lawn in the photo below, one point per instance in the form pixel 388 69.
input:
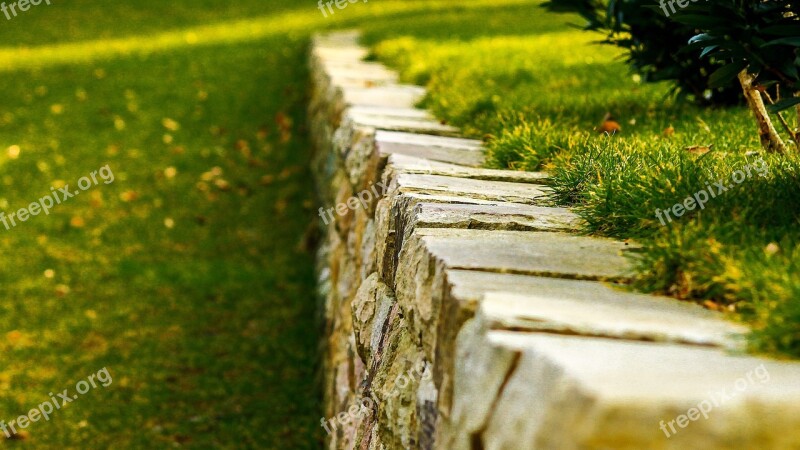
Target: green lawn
pixel 186 277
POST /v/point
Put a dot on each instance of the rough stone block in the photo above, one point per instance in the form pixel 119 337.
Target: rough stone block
pixel 532 253
pixel 398 162
pixel 393 96
pixel 467 152
pixel 564 392
pixel 490 191
pixel 602 312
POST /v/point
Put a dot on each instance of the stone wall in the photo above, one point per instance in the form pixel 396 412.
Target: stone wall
pixel 463 312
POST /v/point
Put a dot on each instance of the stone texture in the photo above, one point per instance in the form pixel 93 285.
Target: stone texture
pixel 399 162
pixel 557 356
pixel 531 253
pixel 392 96
pixel 409 124
pixel 602 393
pixel 598 312
pixel 506 216
pixel 372 112
pixel 491 191
pixel 465 152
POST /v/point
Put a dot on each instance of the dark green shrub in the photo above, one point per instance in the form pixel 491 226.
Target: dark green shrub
pixel 654 45
pixel 760 44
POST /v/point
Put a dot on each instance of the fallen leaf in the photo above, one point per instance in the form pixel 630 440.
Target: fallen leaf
pixel 77 222
pixel 699 149
pixel 62 290
pixel 170 124
pixel 13 151
pixel 128 196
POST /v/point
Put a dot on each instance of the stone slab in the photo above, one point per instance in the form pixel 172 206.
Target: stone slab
pixel 558 255
pixel 336 38
pixel 395 123
pixel 466 152
pixel 577 392
pixel 382 111
pixel 497 191
pixel 506 216
pixel 355 69
pixel 399 162
pixel 598 311
pixel 342 52
pixel 393 96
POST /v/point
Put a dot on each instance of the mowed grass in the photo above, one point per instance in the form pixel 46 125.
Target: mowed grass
pixel 536 97
pixel 188 278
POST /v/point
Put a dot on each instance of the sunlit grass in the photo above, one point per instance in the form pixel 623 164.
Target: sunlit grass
pixel 185 277
pixel 537 98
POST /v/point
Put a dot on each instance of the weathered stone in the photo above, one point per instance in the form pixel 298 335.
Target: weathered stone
pixel 423 289
pixel 335 38
pixel 368 250
pixel 532 253
pixel 416 125
pixel 598 311
pixel 386 112
pixel 468 288
pixel 393 96
pixel 481 373
pixel 465 152
pixel 398 162
pixel 505 216
pixel 371 307
pixel 491 191
pixel 578 392
pixel 404 213
pixel 356 146
pixel 341 53
pixel 337 71
pixel 385 245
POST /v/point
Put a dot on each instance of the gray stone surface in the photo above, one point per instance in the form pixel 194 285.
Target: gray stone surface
pixel 398 162
pixel 338 38
pixel 530 253
pixel 336 71
pixel 603 393
pixel 395 123
pixel 392 96
pixel 341 52
pixel 493 191
pixel 505 216
pixel 466 152
pixel 383 111
pixel 598 312
pixel 470 286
